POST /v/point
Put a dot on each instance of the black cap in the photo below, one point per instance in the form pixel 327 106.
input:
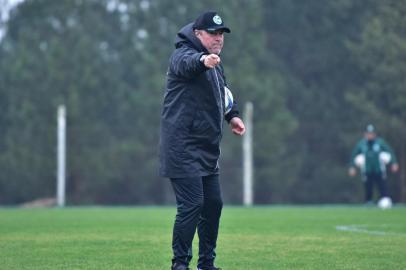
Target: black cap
pixel 210 21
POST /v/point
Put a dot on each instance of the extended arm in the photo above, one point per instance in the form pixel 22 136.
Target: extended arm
pixel 186 63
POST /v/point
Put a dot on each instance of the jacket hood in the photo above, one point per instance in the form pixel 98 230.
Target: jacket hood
pixel 186 36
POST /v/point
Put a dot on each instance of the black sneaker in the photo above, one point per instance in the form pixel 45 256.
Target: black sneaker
pixel 211 268
pixel 178 266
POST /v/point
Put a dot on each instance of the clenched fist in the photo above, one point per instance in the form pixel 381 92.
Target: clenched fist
pixel 211 60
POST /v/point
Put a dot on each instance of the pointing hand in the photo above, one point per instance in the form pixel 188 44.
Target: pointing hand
pixel 212 60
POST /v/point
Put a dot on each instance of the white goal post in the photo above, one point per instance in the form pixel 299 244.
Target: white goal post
pixel 61 156
pixel 248 173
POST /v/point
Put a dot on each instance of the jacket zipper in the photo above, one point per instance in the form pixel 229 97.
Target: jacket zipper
pixel 221 113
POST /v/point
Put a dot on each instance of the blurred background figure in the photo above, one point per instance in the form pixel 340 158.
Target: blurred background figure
pixel 371 156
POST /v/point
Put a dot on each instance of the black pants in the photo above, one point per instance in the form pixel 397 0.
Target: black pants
pixel 373 179
pixel 199 205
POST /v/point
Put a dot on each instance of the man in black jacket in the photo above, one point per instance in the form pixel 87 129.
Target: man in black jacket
pixel 191 130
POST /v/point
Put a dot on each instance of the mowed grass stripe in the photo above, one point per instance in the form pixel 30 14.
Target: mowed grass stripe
pixel 278 237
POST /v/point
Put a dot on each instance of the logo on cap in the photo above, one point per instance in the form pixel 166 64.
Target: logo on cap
pixel 217 20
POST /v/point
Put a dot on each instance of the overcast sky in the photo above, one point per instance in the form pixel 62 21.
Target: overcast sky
pixel 5 7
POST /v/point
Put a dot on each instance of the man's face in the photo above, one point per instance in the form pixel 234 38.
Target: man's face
pixel 370 136
pixel 212 41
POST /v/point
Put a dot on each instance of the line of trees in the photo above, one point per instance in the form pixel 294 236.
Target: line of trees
pixel 316 71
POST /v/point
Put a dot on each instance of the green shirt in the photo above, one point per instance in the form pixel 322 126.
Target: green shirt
pixel 371 150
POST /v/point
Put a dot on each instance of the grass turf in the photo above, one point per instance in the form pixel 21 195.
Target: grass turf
pixel 278 237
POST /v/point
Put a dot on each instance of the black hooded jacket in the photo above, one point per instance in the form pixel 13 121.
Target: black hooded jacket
pixel 193 111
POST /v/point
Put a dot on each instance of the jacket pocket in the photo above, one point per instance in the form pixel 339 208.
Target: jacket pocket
pixel 199 124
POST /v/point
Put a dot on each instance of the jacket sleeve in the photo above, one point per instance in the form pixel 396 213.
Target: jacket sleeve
pixel 233 112
pixel 186 63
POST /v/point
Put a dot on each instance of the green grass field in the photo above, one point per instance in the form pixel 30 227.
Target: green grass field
pixel 278 237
